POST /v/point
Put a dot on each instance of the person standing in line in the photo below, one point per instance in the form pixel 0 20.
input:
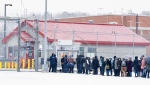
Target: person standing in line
pixel 83 64
pixel 116 66
pixel 143 66
pixel 95 64
pixel 123 67
pixel 136 68
pixel 129 66
pixel 107 66
pixel 111 68
pixel 71 64
pixel 62 62
pixel 80 64
pixel 87 65
pixel 65 64
pixel 119 66
pixel 147 64
pixel 103 66
pixel 139 67
pixel 100 64
pixel 77 63
pixel 50 66
pixel 53 61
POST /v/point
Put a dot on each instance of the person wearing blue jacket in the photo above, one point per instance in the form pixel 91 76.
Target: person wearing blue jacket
pixel 53 62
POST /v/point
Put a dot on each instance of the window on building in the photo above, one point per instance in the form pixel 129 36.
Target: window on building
pixel 10 51
pixel 91 50
pixel 81 50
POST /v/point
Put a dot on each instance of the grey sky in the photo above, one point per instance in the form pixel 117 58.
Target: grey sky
pixel 89 6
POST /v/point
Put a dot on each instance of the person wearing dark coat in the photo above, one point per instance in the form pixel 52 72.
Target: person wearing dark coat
pixel 119 66
pixel 80 64
pixel 107 66
pixel 53 61
pixel 113 67
pixel 139 67
pixel 136 67
pixel 100 64
pixel 77 62
pixel 103 66
pixel 62 62
pixel 129 67
pixel 50 66
pixel 83 64
pixel 95 64
pixel 116 66
pixel 65 64
pixel 87 65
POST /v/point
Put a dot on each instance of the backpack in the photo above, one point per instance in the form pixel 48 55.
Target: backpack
pixel 107 66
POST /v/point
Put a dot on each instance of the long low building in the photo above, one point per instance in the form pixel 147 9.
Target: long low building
pixel 89 39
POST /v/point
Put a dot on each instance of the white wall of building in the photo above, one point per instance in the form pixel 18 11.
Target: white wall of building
pixel 121 51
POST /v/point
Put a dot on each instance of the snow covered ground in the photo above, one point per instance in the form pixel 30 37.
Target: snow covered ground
pixel 40 78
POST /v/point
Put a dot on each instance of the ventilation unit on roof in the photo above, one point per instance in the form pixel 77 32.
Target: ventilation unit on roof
pixel 113 22
pixel 91 21
pixel 56 20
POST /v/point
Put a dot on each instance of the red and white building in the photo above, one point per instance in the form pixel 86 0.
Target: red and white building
pixel 78 38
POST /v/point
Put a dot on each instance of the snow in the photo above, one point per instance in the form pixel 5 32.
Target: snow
pixel 41 78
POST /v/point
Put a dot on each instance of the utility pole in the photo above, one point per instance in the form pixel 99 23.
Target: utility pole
pixel 55 50
pixel 55 40
pixel 114 41
pixel 19 54
pixel 36 47
pixel 97 44
pixel 73 42
pixel 137 20
pixel 5 51
pixel 45 66
pixel 133 45
pixel 16 19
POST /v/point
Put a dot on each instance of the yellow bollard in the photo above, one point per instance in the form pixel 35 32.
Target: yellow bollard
pixel 32 63
pixel 28 63
pixel 5 65
pixel 0 64
pixel 8 65
pixel 23 63
pixel 12 65
pixel 16 65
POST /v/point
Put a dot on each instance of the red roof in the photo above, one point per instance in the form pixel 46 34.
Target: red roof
pixel 86 33
pixel 24 36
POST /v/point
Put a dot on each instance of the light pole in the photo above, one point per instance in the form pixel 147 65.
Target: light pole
pixel 5 17
pixel 5 25
pixel 45 67
pixel 115 41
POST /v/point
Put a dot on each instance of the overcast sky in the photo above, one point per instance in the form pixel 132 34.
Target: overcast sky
pixel 89 6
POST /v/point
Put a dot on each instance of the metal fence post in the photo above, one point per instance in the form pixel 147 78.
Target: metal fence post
pixel 133 45
pixel 19 36
pixel 97 44
pixel 73 42
pixel 36 48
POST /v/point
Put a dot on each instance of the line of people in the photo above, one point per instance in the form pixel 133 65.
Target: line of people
pixel 112 66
